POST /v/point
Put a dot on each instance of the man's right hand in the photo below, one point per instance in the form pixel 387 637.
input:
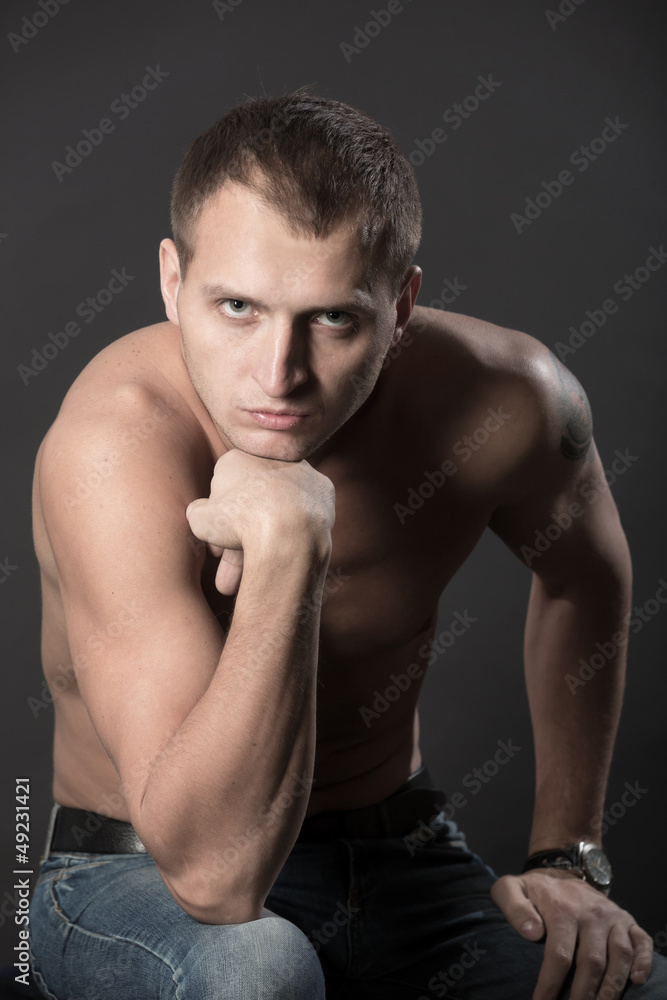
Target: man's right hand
pixel 254 500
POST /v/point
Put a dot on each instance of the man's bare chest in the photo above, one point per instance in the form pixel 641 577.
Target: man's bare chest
pixel 388 568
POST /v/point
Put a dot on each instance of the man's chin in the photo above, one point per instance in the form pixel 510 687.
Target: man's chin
pixel 274 455
pixel 282 449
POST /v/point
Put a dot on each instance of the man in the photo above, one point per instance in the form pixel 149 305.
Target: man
pixel 234 561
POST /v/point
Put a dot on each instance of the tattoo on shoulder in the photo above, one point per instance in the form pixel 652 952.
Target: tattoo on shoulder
pixel 575 415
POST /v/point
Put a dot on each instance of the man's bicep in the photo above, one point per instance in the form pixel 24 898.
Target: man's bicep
pixel 557 514
pixel 566 527
pixel 142 638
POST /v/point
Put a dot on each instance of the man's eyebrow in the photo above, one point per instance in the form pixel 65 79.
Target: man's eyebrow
pixel 361 301
pixel 219 292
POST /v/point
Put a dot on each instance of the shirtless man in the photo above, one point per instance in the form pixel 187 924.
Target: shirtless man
pixel 233 561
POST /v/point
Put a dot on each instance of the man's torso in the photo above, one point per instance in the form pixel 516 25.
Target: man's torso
pixel 418 472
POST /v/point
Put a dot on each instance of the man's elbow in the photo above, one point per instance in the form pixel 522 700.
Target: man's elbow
pixel 211 901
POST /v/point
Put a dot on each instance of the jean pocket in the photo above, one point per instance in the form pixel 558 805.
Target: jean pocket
pixel 59 865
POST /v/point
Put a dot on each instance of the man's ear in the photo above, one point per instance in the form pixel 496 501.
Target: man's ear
pixel 406 301
pixel 170 278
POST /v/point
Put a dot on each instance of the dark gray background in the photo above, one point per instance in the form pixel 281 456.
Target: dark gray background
pixel 61 239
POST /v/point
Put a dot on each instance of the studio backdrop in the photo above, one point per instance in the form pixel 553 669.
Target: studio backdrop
pixel 536 134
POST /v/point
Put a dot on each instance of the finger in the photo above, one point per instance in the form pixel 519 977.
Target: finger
pixel 215 550
pixel 643 958
pixel 508 893
pixel 206 527
pixel 599 963
pixel 230 571
pixel 558 956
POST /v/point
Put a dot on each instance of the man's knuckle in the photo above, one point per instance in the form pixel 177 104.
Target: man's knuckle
pixel 563 910
pixel 597 964
pixel 625 954
pixel 562 955
pixel 612 984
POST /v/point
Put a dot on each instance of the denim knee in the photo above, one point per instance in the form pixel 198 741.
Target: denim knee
pixel 106 928
pixel 269 957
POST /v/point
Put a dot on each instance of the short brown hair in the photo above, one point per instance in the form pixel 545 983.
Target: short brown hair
pixel 322 163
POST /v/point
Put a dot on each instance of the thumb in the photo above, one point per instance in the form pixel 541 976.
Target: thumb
pixel 509 894
pixel 192 505
pixel 230 570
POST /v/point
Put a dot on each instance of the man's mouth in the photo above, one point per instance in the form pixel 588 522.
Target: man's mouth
pixel 277 420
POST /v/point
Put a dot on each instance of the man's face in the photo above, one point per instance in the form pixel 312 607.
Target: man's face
pixel 283 336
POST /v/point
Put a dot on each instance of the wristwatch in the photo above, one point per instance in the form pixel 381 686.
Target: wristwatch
pixel 585 859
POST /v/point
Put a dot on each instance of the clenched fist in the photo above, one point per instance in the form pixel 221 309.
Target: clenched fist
pixel 255 501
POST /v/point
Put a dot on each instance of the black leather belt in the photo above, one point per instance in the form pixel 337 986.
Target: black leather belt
pixel 82 831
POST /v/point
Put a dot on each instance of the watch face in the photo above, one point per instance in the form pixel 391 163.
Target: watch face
pixel 596 866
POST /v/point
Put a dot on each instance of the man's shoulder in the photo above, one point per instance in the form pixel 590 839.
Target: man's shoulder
pixel 474 353
pixel 136 377
pixel 464 365
pixel 126 413
pixel 475 348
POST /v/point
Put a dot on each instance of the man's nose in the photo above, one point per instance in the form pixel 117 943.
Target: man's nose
pixel 281 362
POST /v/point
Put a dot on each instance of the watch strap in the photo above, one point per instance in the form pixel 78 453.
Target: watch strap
pixel 583 859
pixel 566 858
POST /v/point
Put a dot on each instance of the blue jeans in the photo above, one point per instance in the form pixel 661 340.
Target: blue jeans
pixel 372 918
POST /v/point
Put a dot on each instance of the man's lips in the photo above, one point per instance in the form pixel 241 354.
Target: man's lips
pixel 277 420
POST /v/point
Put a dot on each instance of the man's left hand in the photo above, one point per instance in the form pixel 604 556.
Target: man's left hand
pixel 610 946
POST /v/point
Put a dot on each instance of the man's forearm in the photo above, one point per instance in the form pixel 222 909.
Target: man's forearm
pixel 574 726
pixel 227 776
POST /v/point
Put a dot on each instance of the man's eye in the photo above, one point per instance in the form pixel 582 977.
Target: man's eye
pixel 235 307
pixel 334 318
